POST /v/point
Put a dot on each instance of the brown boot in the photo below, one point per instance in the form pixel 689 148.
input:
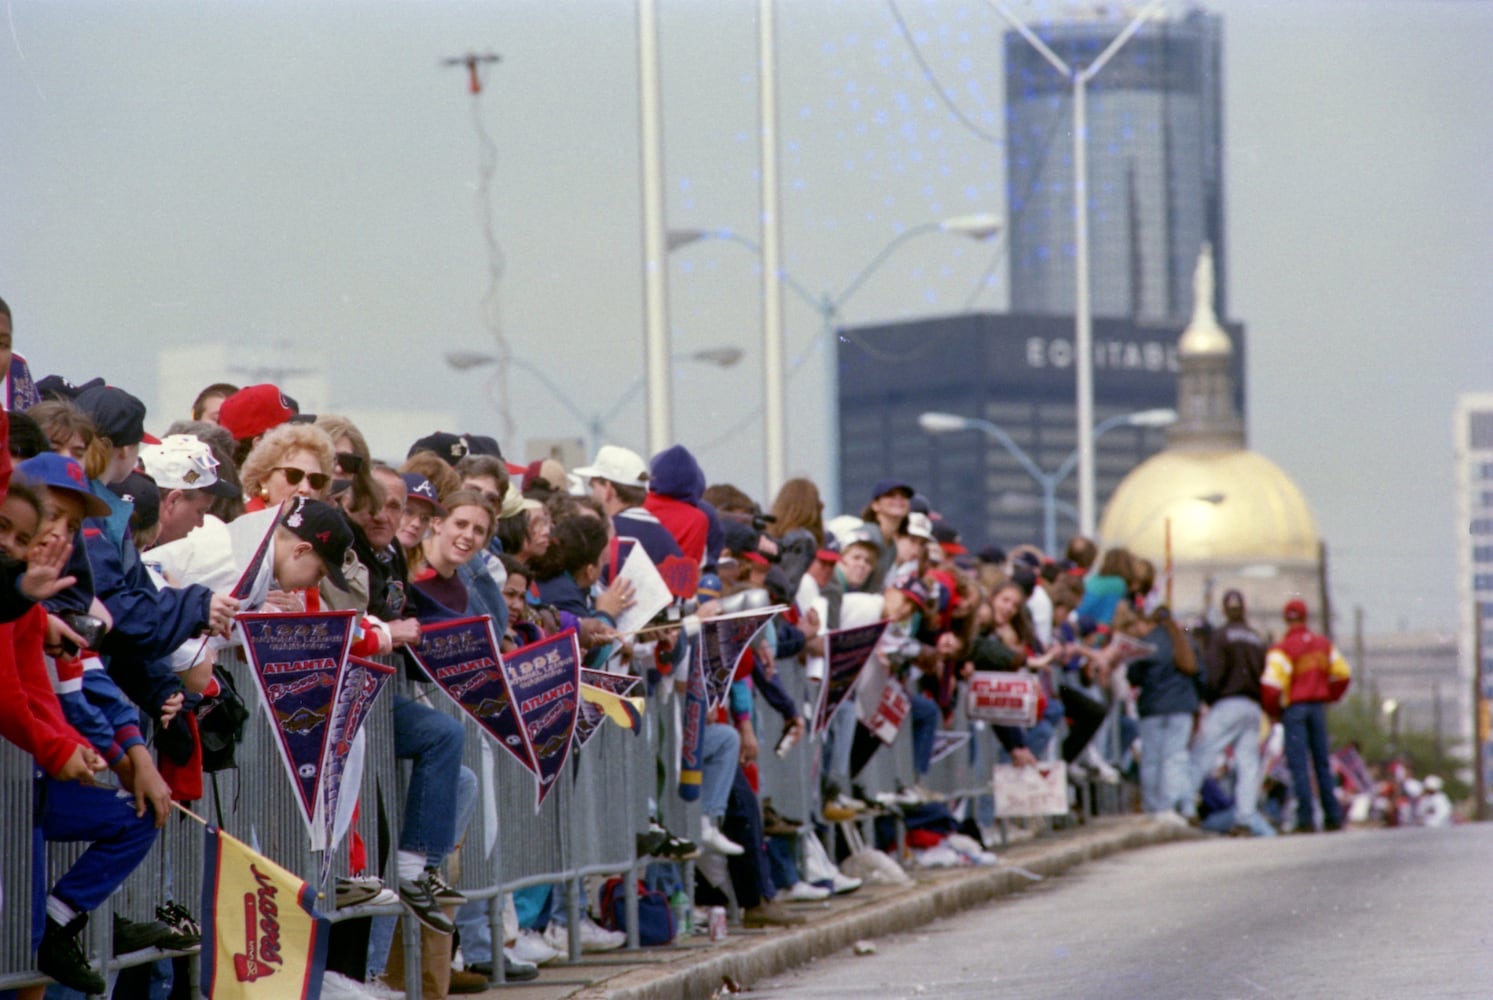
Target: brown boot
pixel 770 914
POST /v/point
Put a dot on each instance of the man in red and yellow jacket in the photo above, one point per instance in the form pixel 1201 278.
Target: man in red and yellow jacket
pixel 1304 673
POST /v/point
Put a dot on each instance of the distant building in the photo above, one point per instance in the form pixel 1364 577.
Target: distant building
pixel 1155 165
pixel 1419 672
pixel 1473 434
pixel 1227 517
pixel 1016 372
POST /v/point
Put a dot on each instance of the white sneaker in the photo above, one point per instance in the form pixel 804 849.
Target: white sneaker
pixel 803 892
pixel 510 919
pixel 713 840
pixel 595 937
pixel 530 946
pixel 844 883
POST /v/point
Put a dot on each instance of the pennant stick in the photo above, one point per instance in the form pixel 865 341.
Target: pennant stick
pixel 777 608
pixel 191 813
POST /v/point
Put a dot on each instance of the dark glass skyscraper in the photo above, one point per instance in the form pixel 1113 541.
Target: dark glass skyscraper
pixel 1155 152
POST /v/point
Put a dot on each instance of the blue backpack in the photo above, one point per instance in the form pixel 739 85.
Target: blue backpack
pixel 655 918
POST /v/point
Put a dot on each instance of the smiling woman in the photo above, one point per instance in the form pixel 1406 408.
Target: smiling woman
pixel 462 533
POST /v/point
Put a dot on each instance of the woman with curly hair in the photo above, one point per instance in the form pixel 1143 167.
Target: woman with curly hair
pixel 289 460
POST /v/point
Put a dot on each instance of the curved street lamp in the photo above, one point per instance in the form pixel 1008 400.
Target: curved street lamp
pixel 596 423
pixel 934 422
pixel 975 226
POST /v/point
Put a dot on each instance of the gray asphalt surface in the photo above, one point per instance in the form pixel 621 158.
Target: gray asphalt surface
pixel 1371 913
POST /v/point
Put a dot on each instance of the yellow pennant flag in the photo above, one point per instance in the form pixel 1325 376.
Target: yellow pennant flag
pixel 261 936
pixel 624 711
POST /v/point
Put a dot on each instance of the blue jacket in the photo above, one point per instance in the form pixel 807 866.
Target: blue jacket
pixel 1164 689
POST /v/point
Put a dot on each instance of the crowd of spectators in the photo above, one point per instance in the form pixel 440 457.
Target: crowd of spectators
pixel 129 555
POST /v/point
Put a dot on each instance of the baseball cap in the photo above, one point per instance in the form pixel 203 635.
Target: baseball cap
pixel 255 409
pixel 618 465
pixel 885 486
pixel 417 487
pixel 118 416
pixel 1295 610
pixel 919 526
pixel 482 444
pixel 143 492
pixel 1234 599
pixel 320 524
pixel 829 551
pixel 185 462
pixel 450 447
pixel 917 593
pixel 60 472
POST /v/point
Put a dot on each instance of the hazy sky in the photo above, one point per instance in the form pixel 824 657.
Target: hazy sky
pixel 179 173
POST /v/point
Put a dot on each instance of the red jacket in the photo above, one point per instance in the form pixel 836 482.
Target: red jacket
pixel 1302 667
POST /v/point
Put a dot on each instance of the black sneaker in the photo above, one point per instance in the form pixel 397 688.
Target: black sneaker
pixel 184 930
pixel 442 890
pixel 516 970
pixel 61 956
pixel 131 935
pixel 419 895
pixel 660 843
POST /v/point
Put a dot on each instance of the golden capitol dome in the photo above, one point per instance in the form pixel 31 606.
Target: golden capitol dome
pixel 1225 504
pixel 1232 505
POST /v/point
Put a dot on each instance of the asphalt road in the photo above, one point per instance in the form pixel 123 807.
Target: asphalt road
pixel 1373 913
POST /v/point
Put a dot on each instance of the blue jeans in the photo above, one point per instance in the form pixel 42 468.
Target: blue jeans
pixel 925 718
pixel 381 929
pixel 1306 754
pixel 1164 762
pixel 780 860
pixel 720 751
pixel 1232 722
pixel 434 742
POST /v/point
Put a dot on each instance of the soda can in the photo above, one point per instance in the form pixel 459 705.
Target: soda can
pixel 717 923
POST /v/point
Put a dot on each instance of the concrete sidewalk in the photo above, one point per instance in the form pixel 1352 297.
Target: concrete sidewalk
pixel 696 970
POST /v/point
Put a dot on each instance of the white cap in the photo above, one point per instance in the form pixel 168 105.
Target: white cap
pixel 1433 782
pixel 919 526
pixel 184 462
pixel 618 465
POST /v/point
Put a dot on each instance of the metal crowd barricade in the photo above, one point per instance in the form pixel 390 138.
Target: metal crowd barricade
pixel 17 780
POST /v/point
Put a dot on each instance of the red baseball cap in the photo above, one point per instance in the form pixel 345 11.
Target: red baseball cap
pixel 255 409
pixel 1295 610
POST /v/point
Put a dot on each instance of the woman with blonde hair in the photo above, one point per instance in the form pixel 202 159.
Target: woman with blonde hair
pixel 352 464
pixel 289 460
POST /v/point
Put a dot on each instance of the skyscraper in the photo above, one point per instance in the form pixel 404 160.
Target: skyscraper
pixel 1155 154
pixel 1474 530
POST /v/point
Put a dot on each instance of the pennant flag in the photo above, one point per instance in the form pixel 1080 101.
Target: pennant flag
pixel 461 656
pixel 607 696
pixel 846 652
pixel 723 642
pixel 946 741
pixel 358 687
pixel 261 937
pixel 1004 699
pixel 545 680
pixel 1128 647
pixel 296 659
pixel 890 713
pixel 692 726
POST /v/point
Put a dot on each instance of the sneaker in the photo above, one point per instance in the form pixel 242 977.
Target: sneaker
pixel 593 937
pixel 517 970
pixel 530 946
pixel 803 892
pixel 771 914
pixel 834 812
pixel 842 883
pixel 775 824
pixel 442 890
pixel 61 957
pixel 132 935
pixel 660 843
pixel 185 931
pixel 468 981
pixel 419 896
pixel 712 839
pixel 358 891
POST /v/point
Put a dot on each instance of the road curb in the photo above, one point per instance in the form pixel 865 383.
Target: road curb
pixel 942 893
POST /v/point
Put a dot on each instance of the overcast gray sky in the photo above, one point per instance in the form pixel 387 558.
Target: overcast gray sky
pixel 179 173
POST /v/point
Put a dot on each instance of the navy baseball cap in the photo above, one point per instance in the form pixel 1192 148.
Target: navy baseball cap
pixel 60 472
pixel 885 486
pixel 320 524
pixel 450 447
pixel 417 487
pixel 118 416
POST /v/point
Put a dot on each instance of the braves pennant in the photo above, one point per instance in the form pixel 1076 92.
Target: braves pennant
pixel 296 659
pixel 461 656
pixel 545 680
pixel 607 696
pixel 846 652
pixel 723 642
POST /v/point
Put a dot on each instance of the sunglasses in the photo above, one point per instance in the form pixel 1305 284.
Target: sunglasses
pixel 293 476
pixel 350 463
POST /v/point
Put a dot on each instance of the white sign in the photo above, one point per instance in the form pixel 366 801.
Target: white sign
pixel 1038 790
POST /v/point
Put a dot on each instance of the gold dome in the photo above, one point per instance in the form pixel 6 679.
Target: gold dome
pixel 1223 505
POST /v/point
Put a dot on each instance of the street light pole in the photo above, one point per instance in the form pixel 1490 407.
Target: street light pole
pixel 943 423
pixel 655 246
pixel 1083 320
pixel 774 354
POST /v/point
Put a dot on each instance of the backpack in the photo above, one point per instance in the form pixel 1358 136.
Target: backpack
pixel 220 724
pixel 655 917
